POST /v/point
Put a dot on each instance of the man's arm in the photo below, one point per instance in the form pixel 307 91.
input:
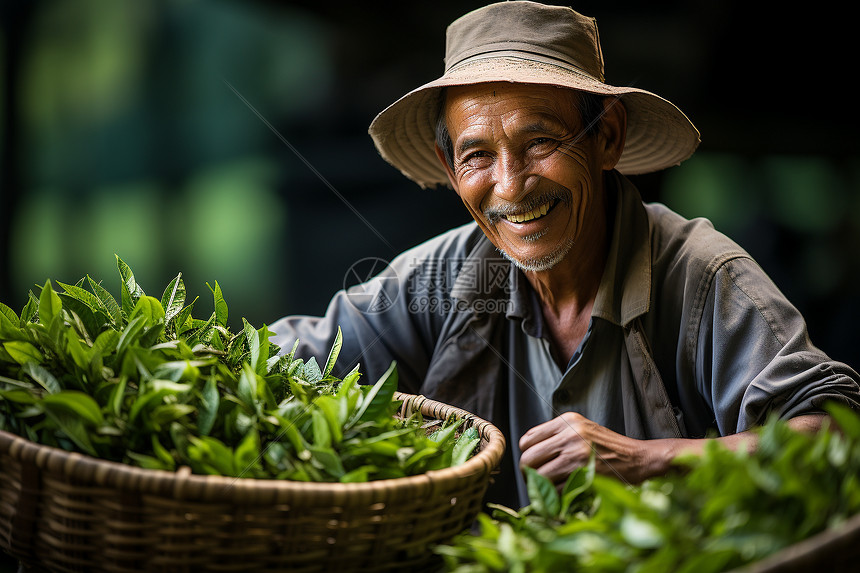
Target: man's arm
pixel 560 446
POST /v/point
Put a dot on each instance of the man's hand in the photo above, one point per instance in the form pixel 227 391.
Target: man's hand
pixel 558 447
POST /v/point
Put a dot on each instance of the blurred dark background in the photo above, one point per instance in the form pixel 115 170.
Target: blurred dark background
pixel 127 129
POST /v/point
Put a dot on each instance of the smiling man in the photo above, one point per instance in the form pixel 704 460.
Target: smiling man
pixel 606 325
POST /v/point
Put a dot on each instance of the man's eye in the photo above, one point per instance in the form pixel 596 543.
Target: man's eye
pixel 542 141
pixel 475 156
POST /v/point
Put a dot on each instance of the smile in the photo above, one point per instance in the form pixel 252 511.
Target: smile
pixel 535 213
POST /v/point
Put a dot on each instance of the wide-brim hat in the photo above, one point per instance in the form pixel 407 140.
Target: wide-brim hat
pixel 527 42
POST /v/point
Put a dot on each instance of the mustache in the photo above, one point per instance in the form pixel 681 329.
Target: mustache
pixel 494 213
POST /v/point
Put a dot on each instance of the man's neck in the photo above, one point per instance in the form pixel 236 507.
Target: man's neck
pixel 573 281
pixel 567 291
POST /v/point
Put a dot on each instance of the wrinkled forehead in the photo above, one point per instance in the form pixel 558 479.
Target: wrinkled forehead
pixel 486 102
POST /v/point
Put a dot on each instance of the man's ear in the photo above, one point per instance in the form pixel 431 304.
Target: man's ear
pixel 613 131
pixel 441 155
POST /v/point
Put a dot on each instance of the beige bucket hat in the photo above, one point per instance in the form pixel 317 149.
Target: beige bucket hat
pixel 527 42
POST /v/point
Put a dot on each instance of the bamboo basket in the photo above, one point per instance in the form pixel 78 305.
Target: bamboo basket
pixel 64 511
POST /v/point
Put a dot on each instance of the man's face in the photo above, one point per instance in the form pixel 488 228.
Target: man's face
pixel 524 168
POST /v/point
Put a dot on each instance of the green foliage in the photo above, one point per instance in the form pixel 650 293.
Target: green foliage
pixel 723 509
pixel 141 381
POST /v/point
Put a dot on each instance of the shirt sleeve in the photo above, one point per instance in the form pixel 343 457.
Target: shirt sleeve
pixel 397 315
pixel 754 355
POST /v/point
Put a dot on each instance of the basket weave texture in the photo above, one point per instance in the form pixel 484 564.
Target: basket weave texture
pixel 64 511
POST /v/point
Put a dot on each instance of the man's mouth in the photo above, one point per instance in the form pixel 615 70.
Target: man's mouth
pixel 535 213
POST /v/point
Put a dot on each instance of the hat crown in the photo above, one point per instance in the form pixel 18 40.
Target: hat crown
pixel 527 28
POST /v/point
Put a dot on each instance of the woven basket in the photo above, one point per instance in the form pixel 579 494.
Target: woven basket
pixel 62 511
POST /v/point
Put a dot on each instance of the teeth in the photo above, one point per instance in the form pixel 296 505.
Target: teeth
pixel 534 214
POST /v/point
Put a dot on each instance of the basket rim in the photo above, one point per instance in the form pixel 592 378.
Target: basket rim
pixel 184 485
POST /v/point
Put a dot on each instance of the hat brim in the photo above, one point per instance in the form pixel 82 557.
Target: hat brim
pixel 659 135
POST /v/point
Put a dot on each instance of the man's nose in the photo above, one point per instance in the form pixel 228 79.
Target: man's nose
pixel 513 179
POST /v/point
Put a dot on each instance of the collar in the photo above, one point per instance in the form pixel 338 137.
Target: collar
pixel 625 289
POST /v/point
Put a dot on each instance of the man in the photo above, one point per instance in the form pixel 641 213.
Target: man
pixel 608 325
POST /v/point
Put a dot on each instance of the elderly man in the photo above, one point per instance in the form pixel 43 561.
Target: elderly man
pixel 607 325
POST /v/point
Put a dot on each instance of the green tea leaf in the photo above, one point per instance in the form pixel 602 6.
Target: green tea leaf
pixel 321 431
pixel 164 414
pixel 30 309
pixel 333 353
pixel 542 493
pixel 358 475
pixel 72 425
pixel 465 446
pixel 75 402
pixel 131 291
pixel 88 323
pixel 162 454
pixel 79 352
pixel 328 460
pixel 18 396
pixel 291 432
pixel 148 462
pixel 183 319
pixel 23 352
pixel 9 321
pixel 377 401
pixel 247 389
pixel 578 482
pixel 42 376
pixel 256 349
pixel 446 434
pixel 330 408
pixel 173 299
pixel 640 533
pixel 421 456
pixel 130 334
pixel 92 302
pixel 211 456
pixel 9 315
pixel 311 371
pixel 246 458
pixel 117 394
pixel 148 307
pixel 50 304
pixel 220 305
pixel 209 404
pixel 108 302
pixel 105 342
pixel 846 419
pixel 146 401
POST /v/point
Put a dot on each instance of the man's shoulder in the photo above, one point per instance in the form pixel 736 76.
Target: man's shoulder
pixel 675 237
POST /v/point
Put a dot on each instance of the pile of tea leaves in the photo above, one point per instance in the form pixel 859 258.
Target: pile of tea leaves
pixel 142 381
pixel 721 510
